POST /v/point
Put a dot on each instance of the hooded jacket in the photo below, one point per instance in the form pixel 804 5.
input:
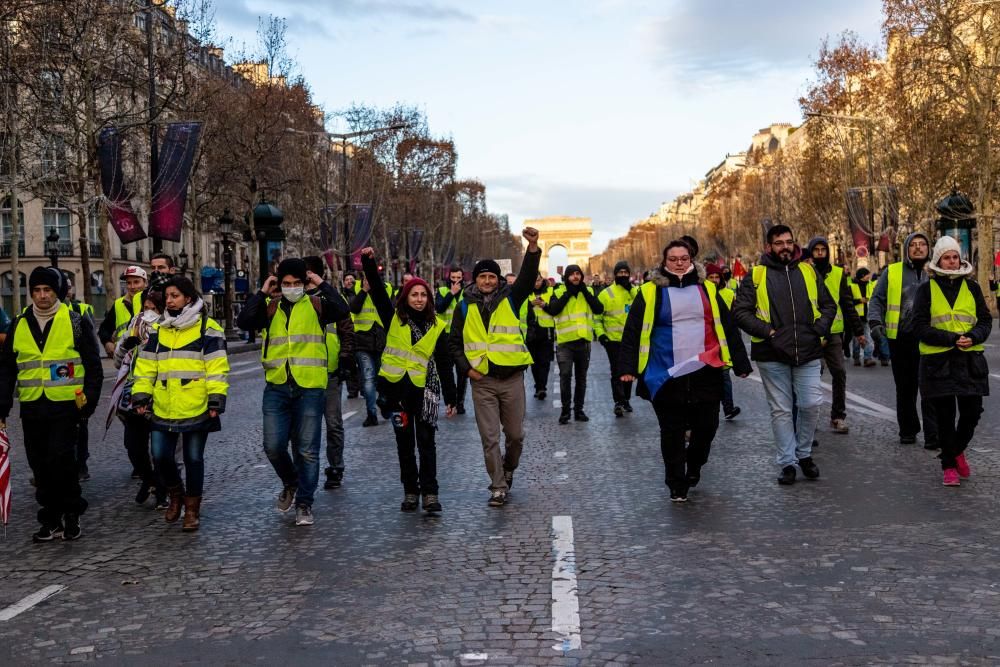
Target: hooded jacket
pixel 705 384
pixel 797 337
pixel 561 298
pixel 913 276
pixel 844 297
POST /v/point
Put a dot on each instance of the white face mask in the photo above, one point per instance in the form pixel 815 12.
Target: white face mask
pixel 150 316
pixel 293 294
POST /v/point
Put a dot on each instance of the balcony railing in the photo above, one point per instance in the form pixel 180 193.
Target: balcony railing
pixel 5 248
pixel 65 248
pixel 124 252
pixel 138 254
pixel 96 249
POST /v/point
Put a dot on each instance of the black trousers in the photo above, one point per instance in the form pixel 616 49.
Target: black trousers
pixel 137 447
pixel 461 381
pixel 573 357
pixel 621 392
pixel 834 359
pixel 905 355
pixel 417 435
pixel 955 438
pixel 50 445
pixel 675 418
pixel 83 443
pixel 541 355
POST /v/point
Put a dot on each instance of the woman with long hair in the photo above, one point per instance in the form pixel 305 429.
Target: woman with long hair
pixel 951 321
pixel 181 382
pixel 410 383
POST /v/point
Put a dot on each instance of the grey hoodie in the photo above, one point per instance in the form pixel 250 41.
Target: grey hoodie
pixel 913 275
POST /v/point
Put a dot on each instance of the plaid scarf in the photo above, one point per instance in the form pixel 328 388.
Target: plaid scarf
pixel 432 388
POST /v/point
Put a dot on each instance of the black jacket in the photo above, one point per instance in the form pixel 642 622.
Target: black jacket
pixel 373 340
pixel 798 339
pixel 704 384
pixel 558 303
pixel 85 341
pixel 951 373
pixel 517 293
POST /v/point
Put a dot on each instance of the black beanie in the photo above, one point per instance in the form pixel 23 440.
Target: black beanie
pixel 51 276
pixel 293 266
pixel 861 273
pixel 622 266
pixel 486 266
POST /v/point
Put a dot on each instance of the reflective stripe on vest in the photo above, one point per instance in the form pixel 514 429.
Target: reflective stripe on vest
pixel 833 281
pixel 763 301
pixel 575 322
pixel 648 291
pixel 401 357
pixel 617 302
pixel 55 371
pixel 959 319
pixel 122 316
pixel 893 300
pixel 502 345
pixel 297 343
pixel 332 348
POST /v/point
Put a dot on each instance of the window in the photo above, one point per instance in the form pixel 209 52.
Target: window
pixel 52 88
pixel 53 155
pixel 97 282
pixel 7 228
pixel 96 248
pixel 57 217
pixel 7 285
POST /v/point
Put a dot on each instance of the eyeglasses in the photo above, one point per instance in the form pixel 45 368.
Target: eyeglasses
pixel 678 260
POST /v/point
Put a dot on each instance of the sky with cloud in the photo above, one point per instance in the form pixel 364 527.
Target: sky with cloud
pixel 600 108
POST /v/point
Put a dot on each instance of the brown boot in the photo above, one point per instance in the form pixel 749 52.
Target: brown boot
pixel 174 509
pixel 192 513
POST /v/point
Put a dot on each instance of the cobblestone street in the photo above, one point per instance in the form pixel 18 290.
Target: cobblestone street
pixel 875 563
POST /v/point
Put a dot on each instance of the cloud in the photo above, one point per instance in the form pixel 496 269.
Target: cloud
pixel 245 12
pixel 715 38
pixel 612 210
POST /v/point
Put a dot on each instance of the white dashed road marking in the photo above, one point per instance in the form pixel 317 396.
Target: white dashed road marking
pixel 565 604
pixel 26 603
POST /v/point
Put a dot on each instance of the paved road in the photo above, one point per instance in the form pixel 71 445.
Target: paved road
pixel 876 563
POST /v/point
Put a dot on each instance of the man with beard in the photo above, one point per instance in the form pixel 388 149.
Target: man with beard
pixel 445 303
pixel 610 325
pixel 835 279
pixel 890 316
pixel 787 310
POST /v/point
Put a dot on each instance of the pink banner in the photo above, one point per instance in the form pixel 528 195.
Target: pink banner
pixel 116 195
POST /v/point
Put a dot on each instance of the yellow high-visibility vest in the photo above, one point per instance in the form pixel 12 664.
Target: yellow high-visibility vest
pixel 402 357
pixel 332 348
pixel 545 320
pixel 446 317
pixel 296 343
pixel 859 304
pixel 617 302
pixel 122 316
pixel 728 296
pixel 833 280
pixel 893 300
pixel 764 302
pixel 648 291
pixel 55 371
pixel 576 321
pixel 960 318
pixel 502 345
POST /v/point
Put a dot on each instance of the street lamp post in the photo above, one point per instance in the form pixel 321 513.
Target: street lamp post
pixel 183 266
pixel 345 203
pixel 52 247
pixel 226 230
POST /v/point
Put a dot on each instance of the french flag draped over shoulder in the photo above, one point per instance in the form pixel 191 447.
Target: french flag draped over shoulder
pixel 690 342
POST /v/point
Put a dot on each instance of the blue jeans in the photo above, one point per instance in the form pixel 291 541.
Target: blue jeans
pixel 368 365
pixel 784 384
pixel 869 345
pixel 293 414
pixel 164 445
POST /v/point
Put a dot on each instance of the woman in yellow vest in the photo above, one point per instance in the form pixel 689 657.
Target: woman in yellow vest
pixel 678 341
pixel 410 383
pixel 181 381
pixel 951 321
pixel 540 337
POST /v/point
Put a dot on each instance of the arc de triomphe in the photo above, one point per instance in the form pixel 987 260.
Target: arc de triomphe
pixel 571 233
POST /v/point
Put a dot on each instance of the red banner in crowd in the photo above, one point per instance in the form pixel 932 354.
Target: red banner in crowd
pixel 860 232
pixel 116 194
pixel 166 217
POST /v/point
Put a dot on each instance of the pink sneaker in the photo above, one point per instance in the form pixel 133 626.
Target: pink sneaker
pixel 964 471
pixel 951 477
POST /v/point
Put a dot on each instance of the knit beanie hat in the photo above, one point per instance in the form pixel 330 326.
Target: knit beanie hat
pixel 486 266
pixel 51 276
pixel 713 268
pixel 860 273
pixel 943 245
pixel 294 267
pixel 622 266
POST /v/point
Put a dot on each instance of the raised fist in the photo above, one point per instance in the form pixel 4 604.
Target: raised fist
pixel 530 234
pixel 368 252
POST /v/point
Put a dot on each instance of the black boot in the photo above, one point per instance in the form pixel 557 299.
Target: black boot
pixel 564 416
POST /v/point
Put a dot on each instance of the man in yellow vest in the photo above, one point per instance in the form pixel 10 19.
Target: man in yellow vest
pixel 861 289
pixel 540 336
pixel 714 274
pixel 369 341
pixel 787 310
pixel 574 308
pixel 488 347
pixel 447 300
pixel 117 319
pixel 610 325
pixel 846 319
pixel 295 357
pixel 890 316
pixel 52 357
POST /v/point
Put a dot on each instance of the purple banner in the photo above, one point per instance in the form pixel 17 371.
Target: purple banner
pixel 394 237
pixel 166 216
pixel 361 232
pixel 116 195
pixel 416 242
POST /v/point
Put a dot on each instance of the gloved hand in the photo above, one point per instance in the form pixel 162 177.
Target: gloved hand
pixel 131 342
pixel 878 332
pixel 604 340
pixel 347 366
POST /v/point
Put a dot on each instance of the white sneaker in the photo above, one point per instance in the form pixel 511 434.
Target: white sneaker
pixel 303 515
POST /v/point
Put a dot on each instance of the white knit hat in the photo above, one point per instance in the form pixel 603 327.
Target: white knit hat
pixel 943 245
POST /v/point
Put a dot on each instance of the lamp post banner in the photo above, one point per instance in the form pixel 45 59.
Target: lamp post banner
pixel 328 228
pixel 166 216
pixel 860 234
pixel 361 231
pixel 116 194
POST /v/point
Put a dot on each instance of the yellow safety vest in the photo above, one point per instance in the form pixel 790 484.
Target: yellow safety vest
pixel 56 371
pixel 83 309
pixel 297 343
pixel 648 291
pixel 833 280
pixel 446 317
pixel 893 299
pixel 502 345
pixel 178 375
pixel 859 304
pixel 764 302
pixel 402 357
pixel 545 320
pixel 728 296
pixel 368 317
pixel 617 302
pixel 122 316
pixel 959 318
pixel 576 321
pixel 332 348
